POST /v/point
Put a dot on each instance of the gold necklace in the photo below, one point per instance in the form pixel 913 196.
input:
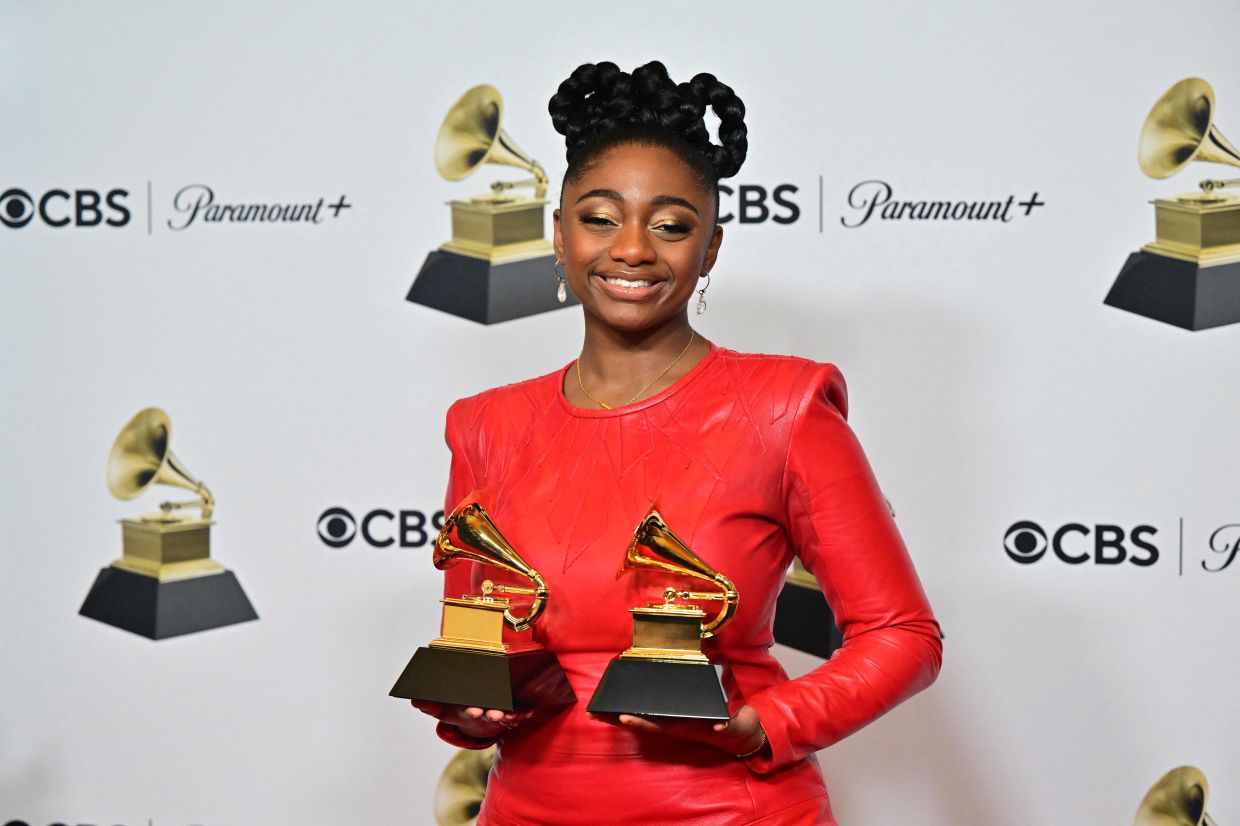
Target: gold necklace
pixel 649 384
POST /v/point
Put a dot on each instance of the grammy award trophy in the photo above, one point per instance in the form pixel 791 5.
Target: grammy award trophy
pixel 664 673
pixel 498 266
pixel 165 584
pixel 1189 275
pixel 470 663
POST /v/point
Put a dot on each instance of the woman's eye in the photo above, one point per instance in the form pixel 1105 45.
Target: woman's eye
pixel 597 220
pixel 673 229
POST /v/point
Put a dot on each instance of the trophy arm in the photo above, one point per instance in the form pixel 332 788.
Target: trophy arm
pixel 539 592
pixel 730 598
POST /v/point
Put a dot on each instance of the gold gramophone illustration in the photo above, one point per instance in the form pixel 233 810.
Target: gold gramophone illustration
pixel 1188 275
pixel 664 673
pixel 470 663
pixel 498 264
pixel 1178 799
pixel 165 583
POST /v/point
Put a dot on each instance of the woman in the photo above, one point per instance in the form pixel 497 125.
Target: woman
pixel 747 457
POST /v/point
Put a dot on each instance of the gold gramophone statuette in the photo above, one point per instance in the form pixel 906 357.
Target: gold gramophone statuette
pixel 1179 798
pixel 664 672
pixel 495 265
pixel 165 582
pixel 1185 275
pixel 470 663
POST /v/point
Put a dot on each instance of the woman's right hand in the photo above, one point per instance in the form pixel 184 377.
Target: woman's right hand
pixel 479 723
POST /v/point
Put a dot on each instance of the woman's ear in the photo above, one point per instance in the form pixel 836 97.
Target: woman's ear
pixel 712 250
pixel 557 237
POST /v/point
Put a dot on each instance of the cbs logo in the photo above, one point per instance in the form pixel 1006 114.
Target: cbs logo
pixel 1076 544
pixel 380 528
pixel 750 204
pixel 60 208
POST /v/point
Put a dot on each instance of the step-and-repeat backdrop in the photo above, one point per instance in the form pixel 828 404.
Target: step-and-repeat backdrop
pixel 219 211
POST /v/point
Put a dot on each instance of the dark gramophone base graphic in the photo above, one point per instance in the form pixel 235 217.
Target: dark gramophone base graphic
pixel 484 291
pixel 803 619
pixel 1182 293
pixel 158 610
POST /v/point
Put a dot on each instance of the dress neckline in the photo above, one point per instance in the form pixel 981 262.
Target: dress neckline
pixel 670 390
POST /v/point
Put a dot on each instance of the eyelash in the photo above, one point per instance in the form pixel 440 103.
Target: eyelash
pixel 598 220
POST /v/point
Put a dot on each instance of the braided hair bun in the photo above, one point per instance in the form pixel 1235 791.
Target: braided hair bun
pixel 599 106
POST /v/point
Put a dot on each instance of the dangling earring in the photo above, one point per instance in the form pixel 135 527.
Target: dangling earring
pixel 701 305
pixel 561 286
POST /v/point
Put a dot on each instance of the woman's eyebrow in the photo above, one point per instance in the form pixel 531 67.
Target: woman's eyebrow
pixel 658 200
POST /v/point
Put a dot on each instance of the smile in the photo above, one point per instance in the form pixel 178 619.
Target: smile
pixel 624 282
pixel 629 288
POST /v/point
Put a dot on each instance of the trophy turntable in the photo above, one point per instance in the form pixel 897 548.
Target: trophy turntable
pixel 470 663
pixel 664 673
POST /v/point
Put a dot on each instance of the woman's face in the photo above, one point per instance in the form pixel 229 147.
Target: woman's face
pixel 635 232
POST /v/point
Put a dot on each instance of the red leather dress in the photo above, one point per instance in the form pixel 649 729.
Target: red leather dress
pixel 750 461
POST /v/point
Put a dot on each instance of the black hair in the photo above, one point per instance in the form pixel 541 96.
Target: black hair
pixel 599 107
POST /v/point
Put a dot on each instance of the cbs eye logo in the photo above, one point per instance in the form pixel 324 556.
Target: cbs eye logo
pixel 1026 542
pixel 60 208
pixel 379 528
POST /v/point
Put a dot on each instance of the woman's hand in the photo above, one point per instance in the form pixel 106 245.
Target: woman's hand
pixel 479 723
pixel 739 736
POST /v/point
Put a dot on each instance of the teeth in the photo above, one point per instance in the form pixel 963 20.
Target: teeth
pixel 623 282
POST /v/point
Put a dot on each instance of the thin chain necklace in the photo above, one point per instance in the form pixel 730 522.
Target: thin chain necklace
pixel 649 384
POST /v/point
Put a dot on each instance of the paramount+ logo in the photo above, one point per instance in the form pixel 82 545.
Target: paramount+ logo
pixel 1075 543
pixel 59 208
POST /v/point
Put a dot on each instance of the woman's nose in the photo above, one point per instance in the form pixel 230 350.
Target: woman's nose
pixel 632 245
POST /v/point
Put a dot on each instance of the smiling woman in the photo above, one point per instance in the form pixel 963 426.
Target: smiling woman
pixel 748 458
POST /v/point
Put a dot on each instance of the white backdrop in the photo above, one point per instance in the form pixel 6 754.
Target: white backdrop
pixel 988 382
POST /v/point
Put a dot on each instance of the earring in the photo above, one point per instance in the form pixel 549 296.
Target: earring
pixel 701 304
pixel 561 286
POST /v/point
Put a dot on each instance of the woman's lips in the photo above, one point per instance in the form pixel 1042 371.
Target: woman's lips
pixel 628 287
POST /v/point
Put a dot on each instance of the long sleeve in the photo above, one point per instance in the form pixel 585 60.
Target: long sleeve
pixel 838 521
pixel 456 577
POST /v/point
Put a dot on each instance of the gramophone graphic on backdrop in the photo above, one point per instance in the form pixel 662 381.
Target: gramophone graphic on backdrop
pixel 165 583
pixel 1189 275
pixel 498 265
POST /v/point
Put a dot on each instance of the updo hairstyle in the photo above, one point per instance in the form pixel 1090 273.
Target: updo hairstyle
pixel 599 107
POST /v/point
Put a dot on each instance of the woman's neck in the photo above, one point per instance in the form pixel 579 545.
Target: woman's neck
pixel 616 365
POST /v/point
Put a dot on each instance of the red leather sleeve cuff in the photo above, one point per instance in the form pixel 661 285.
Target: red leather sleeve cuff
pixel 451 734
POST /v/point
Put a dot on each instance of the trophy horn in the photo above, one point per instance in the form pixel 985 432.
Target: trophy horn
pixel 471 136
pixel 1180 130
pixel 1177 799
pixel 141 457
pixel 462 787
pixel 469 533
pixel 655 547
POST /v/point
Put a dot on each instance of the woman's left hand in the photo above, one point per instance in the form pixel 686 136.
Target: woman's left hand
pixel 738 736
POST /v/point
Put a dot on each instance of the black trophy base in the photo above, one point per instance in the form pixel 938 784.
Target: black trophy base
pixel 1178 292
pixel 508 682
pixel 485 292
pixel 804 621
pixel 653 688
pixel 157 610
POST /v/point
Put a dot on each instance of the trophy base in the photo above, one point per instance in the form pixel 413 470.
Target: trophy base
pixel 484 291
pixel 508 682
pixel 1183 293
pixel 804 621
pixel 654 688
pixel 157 610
